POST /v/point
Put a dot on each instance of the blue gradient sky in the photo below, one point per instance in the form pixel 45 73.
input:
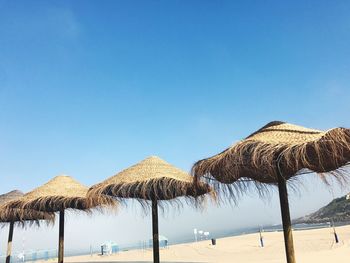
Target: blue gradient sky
pixel 90 87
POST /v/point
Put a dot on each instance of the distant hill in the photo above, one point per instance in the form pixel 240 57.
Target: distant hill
pixel 338 210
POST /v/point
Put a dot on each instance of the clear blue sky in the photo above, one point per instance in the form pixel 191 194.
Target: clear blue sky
pixel 90 87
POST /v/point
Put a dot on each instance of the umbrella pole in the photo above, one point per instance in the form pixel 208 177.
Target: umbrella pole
pixel 155 231
pixel 287 226
pixel 61 238
pixel 9 243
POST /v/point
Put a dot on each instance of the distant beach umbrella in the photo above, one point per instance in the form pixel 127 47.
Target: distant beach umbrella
pixel 274 154
pixel 151 180
pixel 20 216
pixel 61 193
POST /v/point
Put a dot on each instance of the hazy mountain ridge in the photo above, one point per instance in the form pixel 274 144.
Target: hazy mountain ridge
pixel 337 210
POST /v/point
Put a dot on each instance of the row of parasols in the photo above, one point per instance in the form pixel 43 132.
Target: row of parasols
pixel 267 158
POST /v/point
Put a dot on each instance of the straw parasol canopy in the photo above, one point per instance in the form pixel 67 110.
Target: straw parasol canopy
pixel 60 193
pixel 10 196
pixel 8 215
pixel 150 179
pixel 20 216
pixel 274 154
pixel 279 148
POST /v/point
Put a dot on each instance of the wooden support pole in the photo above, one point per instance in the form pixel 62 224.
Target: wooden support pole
pixel 261 238
pixel 335 233
pixel 287 226
pixel 155 228
pixel 9 243
pixel 61 238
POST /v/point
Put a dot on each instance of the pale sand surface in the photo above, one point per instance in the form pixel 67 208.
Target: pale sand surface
pixel 310 245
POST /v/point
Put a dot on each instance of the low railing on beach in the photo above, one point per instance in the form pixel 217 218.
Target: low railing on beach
pixel 51 255
pixel 26 256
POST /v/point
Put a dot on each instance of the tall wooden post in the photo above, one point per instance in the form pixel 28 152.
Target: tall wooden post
pixel 9 243
pixel 287 226
pixel 335 233
pixel 155 231
pixel 261 238
pixel 61 238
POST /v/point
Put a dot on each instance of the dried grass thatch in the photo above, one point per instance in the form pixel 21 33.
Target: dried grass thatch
pixel 20 216
pixel 60 193
pixel 151 179
pixel 10 196
pixel 276 148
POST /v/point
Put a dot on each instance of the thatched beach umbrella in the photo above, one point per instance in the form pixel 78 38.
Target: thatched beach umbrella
pixel 59 194
pixel 274 154
pixel 151 180
pixel 19 216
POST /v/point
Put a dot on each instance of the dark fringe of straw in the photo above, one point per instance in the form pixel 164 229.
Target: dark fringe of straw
pixel 164 190
pixel 28 223
pixel 257 163
pixel 58 203
pixel 25 218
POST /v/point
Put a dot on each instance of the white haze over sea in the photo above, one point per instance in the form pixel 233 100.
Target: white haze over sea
pixel 130 226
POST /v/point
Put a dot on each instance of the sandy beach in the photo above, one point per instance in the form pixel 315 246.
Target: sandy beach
pixel 315 245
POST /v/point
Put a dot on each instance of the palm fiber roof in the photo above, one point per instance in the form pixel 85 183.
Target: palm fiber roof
pixel 150 179
pixel 19 215
pixel 61 192
pixel 279 147
pixel 10 196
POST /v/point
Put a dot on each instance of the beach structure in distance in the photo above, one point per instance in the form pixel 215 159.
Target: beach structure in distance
pixel 60 193
pixel 19 216
pixel 152 181
pixel 273 155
